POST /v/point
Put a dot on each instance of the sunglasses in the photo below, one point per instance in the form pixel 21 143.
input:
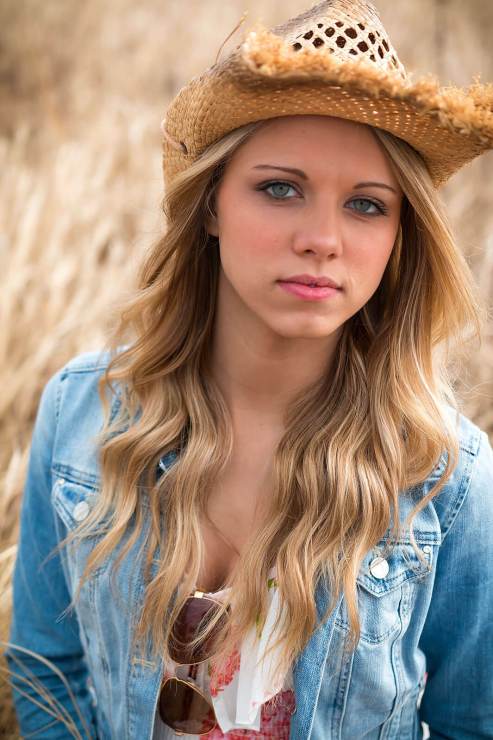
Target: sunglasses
pixel 182 705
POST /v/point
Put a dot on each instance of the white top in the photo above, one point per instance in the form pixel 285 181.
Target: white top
pixel 238 694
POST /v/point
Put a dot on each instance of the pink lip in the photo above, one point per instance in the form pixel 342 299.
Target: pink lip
pixel 319 280
pixel 307 293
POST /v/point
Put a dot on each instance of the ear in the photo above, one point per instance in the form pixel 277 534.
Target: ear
pixel 211 224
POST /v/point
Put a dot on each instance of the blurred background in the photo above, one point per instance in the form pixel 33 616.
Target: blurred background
pixel 83 89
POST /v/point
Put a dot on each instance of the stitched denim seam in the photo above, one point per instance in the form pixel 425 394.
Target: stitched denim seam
pixel 391 583
pixel 76 476
pixel 132 674
pixel 71 367
pixel 395 662
pixel 463 488
pixel 342 694
pixel 368 639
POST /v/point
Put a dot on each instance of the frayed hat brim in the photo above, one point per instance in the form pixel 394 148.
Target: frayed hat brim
pixel 265 78
pixel 468 111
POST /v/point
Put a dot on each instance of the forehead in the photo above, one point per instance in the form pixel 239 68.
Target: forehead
pixel 320 143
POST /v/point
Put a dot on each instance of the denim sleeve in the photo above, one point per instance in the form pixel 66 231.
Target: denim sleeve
pixel 457 638
pixel 40 594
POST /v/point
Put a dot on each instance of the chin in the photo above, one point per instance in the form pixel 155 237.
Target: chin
pixel 314 329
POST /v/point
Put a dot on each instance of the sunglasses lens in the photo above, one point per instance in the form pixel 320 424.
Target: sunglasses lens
pixel 184 709
pixel 195 613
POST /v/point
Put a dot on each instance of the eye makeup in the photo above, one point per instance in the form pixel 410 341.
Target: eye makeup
pixel 382 209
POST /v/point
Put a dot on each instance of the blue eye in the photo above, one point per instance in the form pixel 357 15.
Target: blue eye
pixel 282 189
pixel 278 190
pixel 379 208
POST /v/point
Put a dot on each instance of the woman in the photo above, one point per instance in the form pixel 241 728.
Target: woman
pixel 273 425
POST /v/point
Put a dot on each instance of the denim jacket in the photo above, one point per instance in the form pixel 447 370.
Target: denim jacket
pixel 416 619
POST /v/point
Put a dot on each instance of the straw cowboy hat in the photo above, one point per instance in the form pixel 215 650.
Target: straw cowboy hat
pixel 334 59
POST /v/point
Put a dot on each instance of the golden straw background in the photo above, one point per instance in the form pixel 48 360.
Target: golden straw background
pixel 83 89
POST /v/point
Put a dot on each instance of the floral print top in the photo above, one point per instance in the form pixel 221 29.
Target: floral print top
pixel 247 702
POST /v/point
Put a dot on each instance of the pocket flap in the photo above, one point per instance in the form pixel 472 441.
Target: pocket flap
pixel 72 501
pixel 396 566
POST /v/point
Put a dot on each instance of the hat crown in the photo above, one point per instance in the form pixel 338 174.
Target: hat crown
pixel 348 29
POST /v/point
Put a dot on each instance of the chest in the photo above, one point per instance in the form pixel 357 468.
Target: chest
pixel 236 509
pixel 331 687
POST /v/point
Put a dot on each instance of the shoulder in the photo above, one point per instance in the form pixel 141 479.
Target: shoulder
pixel 469 433
pixel 79 372
pixel 79 399
pixel 471 483
pixel 86 363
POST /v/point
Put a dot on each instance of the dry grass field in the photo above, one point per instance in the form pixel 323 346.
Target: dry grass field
pixel 83 89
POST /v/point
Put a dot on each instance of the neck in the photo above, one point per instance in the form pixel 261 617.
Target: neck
pixel 259 372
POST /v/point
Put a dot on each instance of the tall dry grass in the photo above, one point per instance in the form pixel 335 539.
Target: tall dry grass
pixel 83 88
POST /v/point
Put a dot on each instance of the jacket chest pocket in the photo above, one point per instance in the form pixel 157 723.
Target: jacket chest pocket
pixel 374 682
pixel 73 502
pixel 386 586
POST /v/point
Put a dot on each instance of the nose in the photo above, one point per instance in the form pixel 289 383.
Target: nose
pixel 320 234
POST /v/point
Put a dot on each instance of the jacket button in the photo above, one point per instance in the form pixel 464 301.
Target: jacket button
pixel 92 691
pixel 379 567
pixel 81 511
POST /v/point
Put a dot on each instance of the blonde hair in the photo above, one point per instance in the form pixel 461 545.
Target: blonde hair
pixel 334 489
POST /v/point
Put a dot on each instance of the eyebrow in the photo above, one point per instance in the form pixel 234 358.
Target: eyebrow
pixel 304 176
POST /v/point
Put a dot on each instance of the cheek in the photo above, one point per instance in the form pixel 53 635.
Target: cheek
pixel 249 242
pixel 367 262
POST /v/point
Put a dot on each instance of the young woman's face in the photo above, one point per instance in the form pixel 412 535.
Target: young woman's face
pixel 305 195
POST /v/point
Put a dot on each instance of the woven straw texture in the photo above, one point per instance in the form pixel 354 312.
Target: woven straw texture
pixel 334 59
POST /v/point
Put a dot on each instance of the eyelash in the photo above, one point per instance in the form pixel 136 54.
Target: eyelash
pixel 383 210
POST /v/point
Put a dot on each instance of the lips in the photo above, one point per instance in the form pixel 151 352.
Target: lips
pixel 308 293
pixel 312 280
